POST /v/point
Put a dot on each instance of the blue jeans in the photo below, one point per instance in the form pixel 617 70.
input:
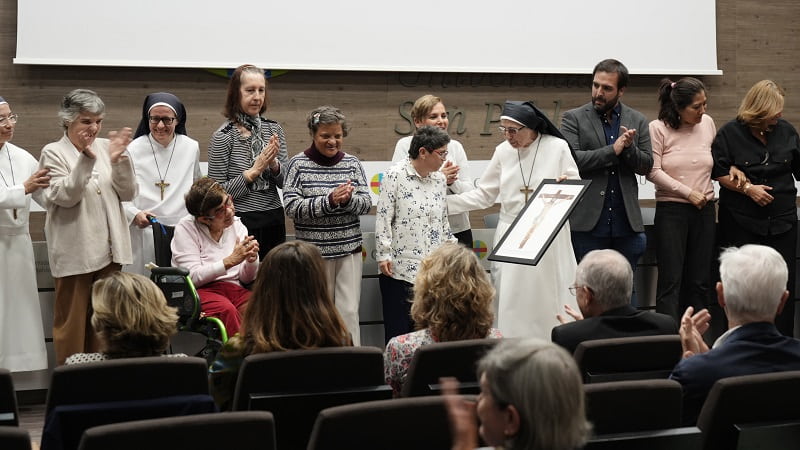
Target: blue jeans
pixel 631 246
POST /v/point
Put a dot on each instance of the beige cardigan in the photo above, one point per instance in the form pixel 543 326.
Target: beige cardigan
pixel 86 227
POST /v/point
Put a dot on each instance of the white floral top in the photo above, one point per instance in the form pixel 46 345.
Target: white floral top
pixel 411 218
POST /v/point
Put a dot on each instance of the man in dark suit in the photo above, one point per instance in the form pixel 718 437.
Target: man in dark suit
pixel 752 291
pixel 612 144
pixel 603 283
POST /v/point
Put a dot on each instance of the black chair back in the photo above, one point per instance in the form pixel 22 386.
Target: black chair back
pixel 9 413
pixel 242 430
pixel 768 397
pixel 423 423
pixel 688 438
pixel 445 359
pixel 628 358
pixel 13 438
pixel 629 406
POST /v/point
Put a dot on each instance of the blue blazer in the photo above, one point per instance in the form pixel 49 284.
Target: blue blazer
pixel 750 349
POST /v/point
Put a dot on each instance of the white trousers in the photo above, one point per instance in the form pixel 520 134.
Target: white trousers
pixel 344 278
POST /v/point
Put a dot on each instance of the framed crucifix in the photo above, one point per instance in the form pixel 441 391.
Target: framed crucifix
pixel 528 238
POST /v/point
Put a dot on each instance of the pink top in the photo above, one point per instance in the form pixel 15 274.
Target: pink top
pixel 682 160
pixel 193 249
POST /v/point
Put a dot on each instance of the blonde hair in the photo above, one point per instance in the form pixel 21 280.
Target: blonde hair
pixel 131 316
pixel 291 306
pixel 423 106
pixel 453 295
pixel 762 102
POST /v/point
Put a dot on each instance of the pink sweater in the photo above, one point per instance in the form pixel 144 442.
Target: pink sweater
pixel 682 160
pixel 193 249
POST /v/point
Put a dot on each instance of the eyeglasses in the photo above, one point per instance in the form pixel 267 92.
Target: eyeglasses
pixel 442 154
pixel 167 120
pixel 510 130
pixel 11 118
pixel 227 204
pixel 574 289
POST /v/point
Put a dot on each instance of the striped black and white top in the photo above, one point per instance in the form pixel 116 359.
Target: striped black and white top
pixel 336 231
pixel 229 155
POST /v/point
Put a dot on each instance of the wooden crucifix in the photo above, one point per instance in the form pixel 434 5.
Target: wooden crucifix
pixel 549 201
pixel 162 185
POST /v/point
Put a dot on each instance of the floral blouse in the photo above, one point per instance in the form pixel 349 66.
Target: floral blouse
pixel 400 351
pixel 411 218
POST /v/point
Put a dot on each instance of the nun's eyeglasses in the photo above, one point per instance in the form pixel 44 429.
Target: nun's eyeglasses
pixel 11 118
pixel 167 120
pixel 510 130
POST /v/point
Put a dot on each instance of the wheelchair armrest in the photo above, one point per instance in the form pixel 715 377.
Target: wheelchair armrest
pixel 180 271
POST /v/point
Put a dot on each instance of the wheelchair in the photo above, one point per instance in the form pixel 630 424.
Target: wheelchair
pixel 198 334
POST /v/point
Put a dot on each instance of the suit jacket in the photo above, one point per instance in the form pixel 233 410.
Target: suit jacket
pixel 625 321
pixel 750 349
pixel 584 132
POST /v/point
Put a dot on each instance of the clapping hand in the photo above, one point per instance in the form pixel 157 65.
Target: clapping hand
pixel 119 143
pixel 692 328
pixel 450 171
pixel 342 193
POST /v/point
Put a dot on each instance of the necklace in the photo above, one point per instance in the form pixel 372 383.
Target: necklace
pixel 161 184
pixel 13 180
pixel 527 189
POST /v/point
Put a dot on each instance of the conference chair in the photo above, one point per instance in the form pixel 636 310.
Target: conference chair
pixel 198 334
pixel 9 412
pixel 631 406
pixel 628 358
pixel 241 430
pixel 295 385
pixel 85 395
pixel 397 424
pixel 13 438
pixel 749 399
pixel 445 359
pixel 685 438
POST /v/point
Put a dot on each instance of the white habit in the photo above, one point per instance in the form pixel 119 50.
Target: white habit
pixel 529 297
pixel 180 173
pixel 21 334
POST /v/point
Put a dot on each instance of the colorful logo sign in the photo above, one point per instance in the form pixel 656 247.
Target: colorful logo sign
pixel 375 183
pixel 480 248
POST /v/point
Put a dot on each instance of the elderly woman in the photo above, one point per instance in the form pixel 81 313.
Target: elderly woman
pixel 429 110
pixel 756 161
pixel 246 154
pixel 167 162
pixel 685 213
pixel 452 302
pixel 529 297
pixel 325 191
pixel 213 245
pixel 87 234
pixel 291 309
pixel 131 318
pixel 411 222
pixel 21 334
pixel 531 399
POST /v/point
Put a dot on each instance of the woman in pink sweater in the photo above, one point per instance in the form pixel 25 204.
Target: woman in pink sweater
pixel 684 221
pixel 213 244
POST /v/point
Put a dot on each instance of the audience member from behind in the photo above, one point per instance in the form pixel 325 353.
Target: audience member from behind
pixel 131 318
pixel 531 398
pixel 452 302
pixel 213 244
pixel 291 309
pixel 752 291
pixel 603 284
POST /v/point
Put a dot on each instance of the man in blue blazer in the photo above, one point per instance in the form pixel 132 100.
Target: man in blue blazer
pixel 603 283
pixel 752 291
pixel 612 144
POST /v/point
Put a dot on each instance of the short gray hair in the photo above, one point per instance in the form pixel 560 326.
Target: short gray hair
pixel 78 101
pixel 609 275
pixel 753 280
pixel 428 137
pixel 326 115
pixel 543 383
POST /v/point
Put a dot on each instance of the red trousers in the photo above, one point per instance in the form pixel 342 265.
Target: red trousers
pixel 224 300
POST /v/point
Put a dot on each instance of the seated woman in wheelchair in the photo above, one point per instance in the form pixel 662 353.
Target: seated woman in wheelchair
pixel 131 319
pixel 292 308
pixel 213 244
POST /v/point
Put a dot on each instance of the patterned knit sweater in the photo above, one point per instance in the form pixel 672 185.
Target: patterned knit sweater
pixel 336 231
